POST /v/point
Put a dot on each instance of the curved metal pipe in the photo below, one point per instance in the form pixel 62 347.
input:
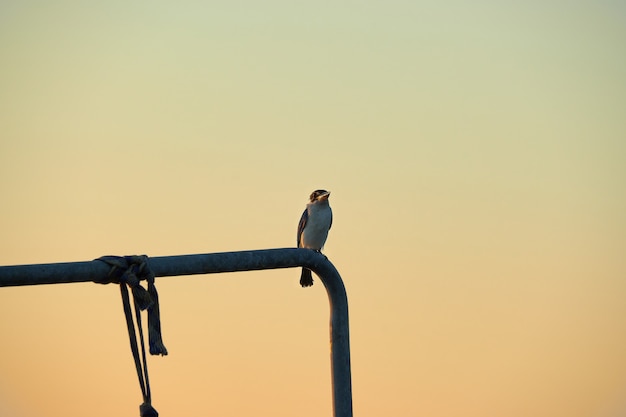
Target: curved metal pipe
pixel 213 263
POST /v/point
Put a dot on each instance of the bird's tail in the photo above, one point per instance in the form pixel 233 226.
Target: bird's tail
pixel 306 279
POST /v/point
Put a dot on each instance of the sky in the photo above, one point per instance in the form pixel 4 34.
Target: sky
pixel 476 156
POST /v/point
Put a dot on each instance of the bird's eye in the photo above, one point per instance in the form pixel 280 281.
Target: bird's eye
pixel 316 194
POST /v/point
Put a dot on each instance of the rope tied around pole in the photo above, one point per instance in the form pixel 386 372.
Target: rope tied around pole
pixel 128 271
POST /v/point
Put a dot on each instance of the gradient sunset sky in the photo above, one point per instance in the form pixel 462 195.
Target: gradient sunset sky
pixel 476 155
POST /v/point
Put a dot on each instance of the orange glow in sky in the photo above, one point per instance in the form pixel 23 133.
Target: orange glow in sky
pixel 476 157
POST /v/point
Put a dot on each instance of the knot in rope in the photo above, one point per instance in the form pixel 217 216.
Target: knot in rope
pixel 129 271
pixel 146 410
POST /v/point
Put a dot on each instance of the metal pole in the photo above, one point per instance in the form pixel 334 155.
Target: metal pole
pixel 213 263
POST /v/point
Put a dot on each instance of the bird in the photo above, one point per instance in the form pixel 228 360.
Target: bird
pixel 313 228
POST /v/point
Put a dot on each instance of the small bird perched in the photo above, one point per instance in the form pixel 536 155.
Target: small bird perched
pixel 313 228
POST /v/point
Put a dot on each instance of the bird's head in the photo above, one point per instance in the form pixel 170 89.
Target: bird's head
pixel 319 195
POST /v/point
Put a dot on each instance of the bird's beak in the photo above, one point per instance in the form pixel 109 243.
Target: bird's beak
pixel 325 196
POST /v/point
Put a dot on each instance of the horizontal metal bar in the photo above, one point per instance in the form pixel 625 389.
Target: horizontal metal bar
pixel 162 266
pixel 212 263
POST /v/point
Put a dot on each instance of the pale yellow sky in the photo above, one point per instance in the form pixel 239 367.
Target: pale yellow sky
pixel 476 157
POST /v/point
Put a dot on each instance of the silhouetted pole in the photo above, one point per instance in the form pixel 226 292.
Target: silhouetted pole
pixel 213 263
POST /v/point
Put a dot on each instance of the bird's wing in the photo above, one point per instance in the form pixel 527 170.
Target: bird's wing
pixel 303 220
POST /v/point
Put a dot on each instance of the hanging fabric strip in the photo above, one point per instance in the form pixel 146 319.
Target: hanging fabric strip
pixel 128 271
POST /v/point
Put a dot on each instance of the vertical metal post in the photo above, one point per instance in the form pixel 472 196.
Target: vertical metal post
pixel 340 340
pixel 212 263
